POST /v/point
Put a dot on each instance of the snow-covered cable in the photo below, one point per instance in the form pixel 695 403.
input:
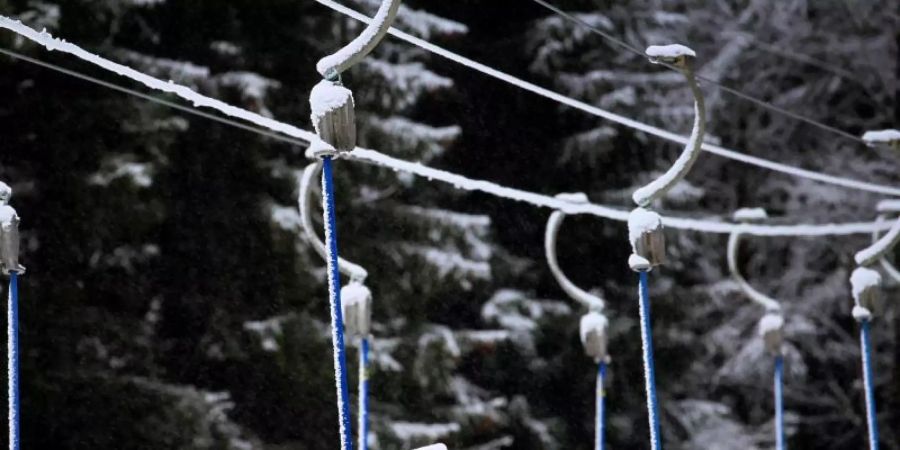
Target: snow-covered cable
pixel 289 133
pixel 334 295
pixel 12 366
pixel 622 120
pixel 762 103
pixel 649 365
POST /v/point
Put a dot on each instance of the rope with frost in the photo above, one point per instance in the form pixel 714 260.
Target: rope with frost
pixel 12 348
pixel 649 365
pixel 334 296
pixel 868 383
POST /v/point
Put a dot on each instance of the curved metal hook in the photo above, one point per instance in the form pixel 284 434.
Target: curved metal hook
pixel 333 65
pixel 354 271
pixel 680 57
pixel 590 301
pixel 734 241
pixel 880 247
pixel 888 267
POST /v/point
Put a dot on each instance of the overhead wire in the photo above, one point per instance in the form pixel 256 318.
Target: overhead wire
pixel 613 117
pixel 52 43
pixel 301 137
pixel 733 91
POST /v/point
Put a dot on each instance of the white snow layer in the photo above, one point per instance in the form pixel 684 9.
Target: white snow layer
pixel 362 44
pixel 860 313
pixel 669 51
pixel 592 321
pixel 770 322
pixel 354 293
pixel 750 214
pixel 327 97
pixel 638 262
pixel 434 447
pixel 881 136
pixel 862 279
pixel 888 206
pixel 7 214
pixel 880 247
pixel 52 43
pixel 640 222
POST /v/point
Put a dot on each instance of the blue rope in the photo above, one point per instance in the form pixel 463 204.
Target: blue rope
pixel 601 405
pixel 364 394
pixel 779 403
pixel 869 384
pixel 337 319
pixel 13 362
pixel 649 367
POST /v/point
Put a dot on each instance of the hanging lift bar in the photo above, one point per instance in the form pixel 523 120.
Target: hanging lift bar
pixel 866 288
pixel 645 227
pixel 771 325
pixel 333 117
pixel 9 263
pixel 593 325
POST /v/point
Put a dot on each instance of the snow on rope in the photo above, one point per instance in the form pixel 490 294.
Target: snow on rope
pixel 458 181
pixel 622 120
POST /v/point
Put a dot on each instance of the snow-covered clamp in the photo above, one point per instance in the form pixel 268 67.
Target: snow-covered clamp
pixel 9 233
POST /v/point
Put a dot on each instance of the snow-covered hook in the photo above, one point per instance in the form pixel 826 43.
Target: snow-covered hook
pixel 681 58
pixel 586 299
pixel 331 66
pixel 746 216
pixel 354 271
pixel 885 208
pixel 593 325
pixel 9 233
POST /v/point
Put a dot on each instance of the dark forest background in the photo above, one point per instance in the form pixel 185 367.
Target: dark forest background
pixel 171 302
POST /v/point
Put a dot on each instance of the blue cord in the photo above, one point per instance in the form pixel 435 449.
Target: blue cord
pixel 869 384
pixel 779 403
pixel 601 405
pixel 649 368
pixel 364 394
pixel 337 319
pixel 13 363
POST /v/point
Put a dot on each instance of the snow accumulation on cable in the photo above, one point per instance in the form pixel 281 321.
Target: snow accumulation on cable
pixel 750 214
pixel 880 247
pixel 328 97
pixel 669 51
pixel 888 206
pixel 769 323
pixel 642 221
pixel 881 136
pixel 862 279
pixel 460 182
pixel 434 447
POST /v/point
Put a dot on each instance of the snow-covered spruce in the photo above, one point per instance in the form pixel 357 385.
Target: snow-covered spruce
pixel 881 247
pixel 750 215
pixel 865 284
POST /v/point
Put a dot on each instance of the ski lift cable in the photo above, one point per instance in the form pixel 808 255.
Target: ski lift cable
pixel 761 103
pixel 622 120
pixel 290 134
